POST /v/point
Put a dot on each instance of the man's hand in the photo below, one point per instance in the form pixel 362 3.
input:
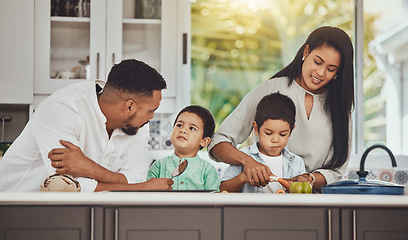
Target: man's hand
pixel 71 160
pixel 256 172
pixel 158 184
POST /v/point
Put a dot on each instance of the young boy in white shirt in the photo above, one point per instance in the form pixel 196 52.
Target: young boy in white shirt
pixel 192 131
pixel 274 122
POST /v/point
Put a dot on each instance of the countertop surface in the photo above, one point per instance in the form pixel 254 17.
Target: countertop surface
pixel 201 199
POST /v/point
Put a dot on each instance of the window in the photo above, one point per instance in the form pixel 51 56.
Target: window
pixel 237 44
pixel 385 74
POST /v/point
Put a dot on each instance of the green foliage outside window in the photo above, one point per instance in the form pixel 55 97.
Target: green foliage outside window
pixel 237 44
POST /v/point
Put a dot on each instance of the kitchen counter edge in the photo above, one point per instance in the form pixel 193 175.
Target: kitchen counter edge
pixel 201 199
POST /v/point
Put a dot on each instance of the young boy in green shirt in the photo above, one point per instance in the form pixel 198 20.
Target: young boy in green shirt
pixel 192 131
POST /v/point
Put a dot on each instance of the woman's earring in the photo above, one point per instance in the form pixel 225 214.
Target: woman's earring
pixel 335 77
pixel 303 58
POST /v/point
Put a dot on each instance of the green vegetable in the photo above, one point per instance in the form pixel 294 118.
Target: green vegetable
pixel 300 187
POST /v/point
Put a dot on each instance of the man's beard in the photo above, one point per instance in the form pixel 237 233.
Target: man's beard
pixel 129 129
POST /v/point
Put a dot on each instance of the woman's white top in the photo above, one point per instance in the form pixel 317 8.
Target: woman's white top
pixel 312 137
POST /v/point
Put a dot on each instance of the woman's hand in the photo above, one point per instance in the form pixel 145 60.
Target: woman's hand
pixel 257 173
pixel 315 179
pixel 287 182
pixel 305 177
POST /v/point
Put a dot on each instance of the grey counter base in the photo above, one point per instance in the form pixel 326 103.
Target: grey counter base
pixel 215 216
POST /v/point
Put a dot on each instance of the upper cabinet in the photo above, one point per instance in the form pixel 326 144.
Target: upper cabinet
pixel 17 51
pixel 80 40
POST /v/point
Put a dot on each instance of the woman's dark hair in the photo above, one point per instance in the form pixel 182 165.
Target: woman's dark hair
pixel 205 115
pixel 135 77
pixel 275 106
pixel 340 97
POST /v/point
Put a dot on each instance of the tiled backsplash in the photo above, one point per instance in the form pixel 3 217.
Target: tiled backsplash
pixel 160 130
pixel 379 168
pixel 396 175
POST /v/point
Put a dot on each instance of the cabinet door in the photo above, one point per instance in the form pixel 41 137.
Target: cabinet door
pixel 163 223
pixel 17 51
pixel 155 32
pixel 50 222
pixel 132 34
pixel 176 24
pixel 71 48
pixel 374 224
pixel 284 223
pixel 68 47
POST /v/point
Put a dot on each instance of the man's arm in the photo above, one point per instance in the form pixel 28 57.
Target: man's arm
pixel 71 160
pixel 151 184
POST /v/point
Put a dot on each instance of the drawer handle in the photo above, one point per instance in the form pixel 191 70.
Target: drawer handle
pixel 116 224
pixel 354 225
pixel 92 223
pixel 329 216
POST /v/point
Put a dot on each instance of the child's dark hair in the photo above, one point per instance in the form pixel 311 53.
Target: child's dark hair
pixel 275 106
pixel 205 115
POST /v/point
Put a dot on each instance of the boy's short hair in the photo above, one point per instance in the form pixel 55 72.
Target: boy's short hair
pixel 275 106
pixel 205 115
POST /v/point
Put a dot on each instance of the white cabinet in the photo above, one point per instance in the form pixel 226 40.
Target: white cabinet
pixel 17 51
pixel 157 34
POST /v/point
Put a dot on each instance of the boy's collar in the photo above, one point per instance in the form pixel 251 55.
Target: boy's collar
pixel 254 148
pixel 175 157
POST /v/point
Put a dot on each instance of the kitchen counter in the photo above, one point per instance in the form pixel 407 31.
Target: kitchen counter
pixel 199 215
pixel 202 199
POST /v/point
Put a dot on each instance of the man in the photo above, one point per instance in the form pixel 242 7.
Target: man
pixel 93 131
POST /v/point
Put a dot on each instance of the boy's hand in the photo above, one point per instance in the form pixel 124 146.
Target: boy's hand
pixel 242 177
pixel 257 173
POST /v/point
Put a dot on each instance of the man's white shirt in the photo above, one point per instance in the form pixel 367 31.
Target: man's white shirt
pixel 72 114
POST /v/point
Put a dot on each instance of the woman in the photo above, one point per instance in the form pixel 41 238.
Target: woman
pixel 320 81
